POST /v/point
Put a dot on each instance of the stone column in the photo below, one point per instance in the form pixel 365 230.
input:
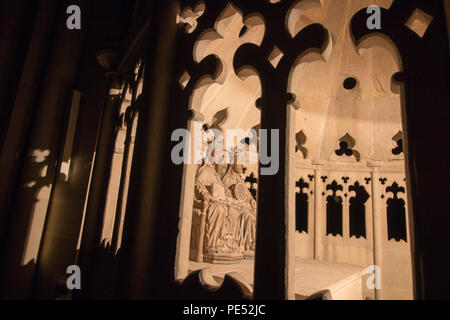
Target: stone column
pixel 95 199
pixel 38 171
pixel 290 203
pixel 114 183
pixel 121 209
pixel 151 274
pixel 275 254
pixel 186 207
pixel 23 105
pixel 18 17
pixel 377 210
pixel 319 213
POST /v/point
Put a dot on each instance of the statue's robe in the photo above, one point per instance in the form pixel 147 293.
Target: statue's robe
pixel 244 210
pixel 211 192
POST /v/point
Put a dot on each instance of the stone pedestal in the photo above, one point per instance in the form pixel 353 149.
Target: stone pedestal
pixel 232 258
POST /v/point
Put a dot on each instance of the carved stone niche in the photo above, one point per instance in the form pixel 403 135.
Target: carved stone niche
pixel 223 217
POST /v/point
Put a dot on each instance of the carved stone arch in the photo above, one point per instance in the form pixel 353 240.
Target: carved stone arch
pixel 204 86
pixel 334 224
pixel 221 42
pixel 323 76
pixel 276 112
pixel 167 220
pixel 301 206
pixel 396 214
pixel 357 210
pixel 203 79
pixel 424 53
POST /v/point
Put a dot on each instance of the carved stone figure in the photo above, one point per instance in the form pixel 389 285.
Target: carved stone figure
pixel 244 207
pixel 217 241
pixel 224 216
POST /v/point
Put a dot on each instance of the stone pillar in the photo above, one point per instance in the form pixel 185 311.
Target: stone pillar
pixel 377 211
pixel 18 18
pixel 290 202
pixel 114 183
pixel 319 213
pixel 23 105
pixel 125 183
pixel 30 207
pixel 186 207
pixel 95 199
pixel 151 274
pixel 275 230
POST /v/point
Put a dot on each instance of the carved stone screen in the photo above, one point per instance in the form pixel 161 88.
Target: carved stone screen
pixel 346 133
